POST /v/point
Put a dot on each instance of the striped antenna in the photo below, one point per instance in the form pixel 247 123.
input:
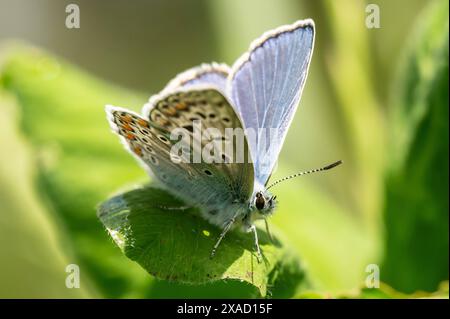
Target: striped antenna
pixel 330 166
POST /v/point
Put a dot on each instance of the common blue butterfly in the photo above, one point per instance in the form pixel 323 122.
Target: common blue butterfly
pixel 258 95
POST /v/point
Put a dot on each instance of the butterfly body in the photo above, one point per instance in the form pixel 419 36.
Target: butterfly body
pixel 247 212
pixel 213 135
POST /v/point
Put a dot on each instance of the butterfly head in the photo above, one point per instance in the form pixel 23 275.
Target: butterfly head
pixel 263 203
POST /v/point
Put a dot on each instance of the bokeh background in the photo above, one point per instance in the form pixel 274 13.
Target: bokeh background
pixel 375 98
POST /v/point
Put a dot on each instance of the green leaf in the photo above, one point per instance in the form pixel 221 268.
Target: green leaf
pixel 26 235
pixel 416 209
pixel 152 228
pixel 384 291
pixel 387 292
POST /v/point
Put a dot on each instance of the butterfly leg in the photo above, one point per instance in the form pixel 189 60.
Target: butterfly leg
pixel 222 235
pixel 268 231
pixel 258 251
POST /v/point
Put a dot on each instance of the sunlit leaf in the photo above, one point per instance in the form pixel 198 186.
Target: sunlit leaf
pixel 384 291
pixel 173 243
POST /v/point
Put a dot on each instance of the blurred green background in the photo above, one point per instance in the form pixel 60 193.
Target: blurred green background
pixel 375 98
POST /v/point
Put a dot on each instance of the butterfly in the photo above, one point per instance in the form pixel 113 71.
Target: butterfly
pixel 258 94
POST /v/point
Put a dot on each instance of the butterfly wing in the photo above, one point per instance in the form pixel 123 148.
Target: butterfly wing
pixel 211 186
pixel 211 74
pixel 265 86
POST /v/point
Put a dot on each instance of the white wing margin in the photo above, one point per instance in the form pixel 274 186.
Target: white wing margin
pixel 213 74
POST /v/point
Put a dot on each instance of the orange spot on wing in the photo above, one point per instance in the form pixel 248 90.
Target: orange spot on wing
pixel 126 118
pixel 181 106
pixel 163 121
pixel 143 122
pixel 130 136
pixel 127 127
pixel 170 111
pixel 137 150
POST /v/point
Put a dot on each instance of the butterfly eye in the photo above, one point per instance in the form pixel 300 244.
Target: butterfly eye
pixel 260 201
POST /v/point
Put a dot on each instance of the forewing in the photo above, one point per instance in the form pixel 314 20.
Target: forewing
pixel 265 86
pixel 208 185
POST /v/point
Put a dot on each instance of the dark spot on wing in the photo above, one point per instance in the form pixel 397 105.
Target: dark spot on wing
pixel 208 172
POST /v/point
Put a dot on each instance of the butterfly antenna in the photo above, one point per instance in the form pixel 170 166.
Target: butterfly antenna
pixel 330 166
